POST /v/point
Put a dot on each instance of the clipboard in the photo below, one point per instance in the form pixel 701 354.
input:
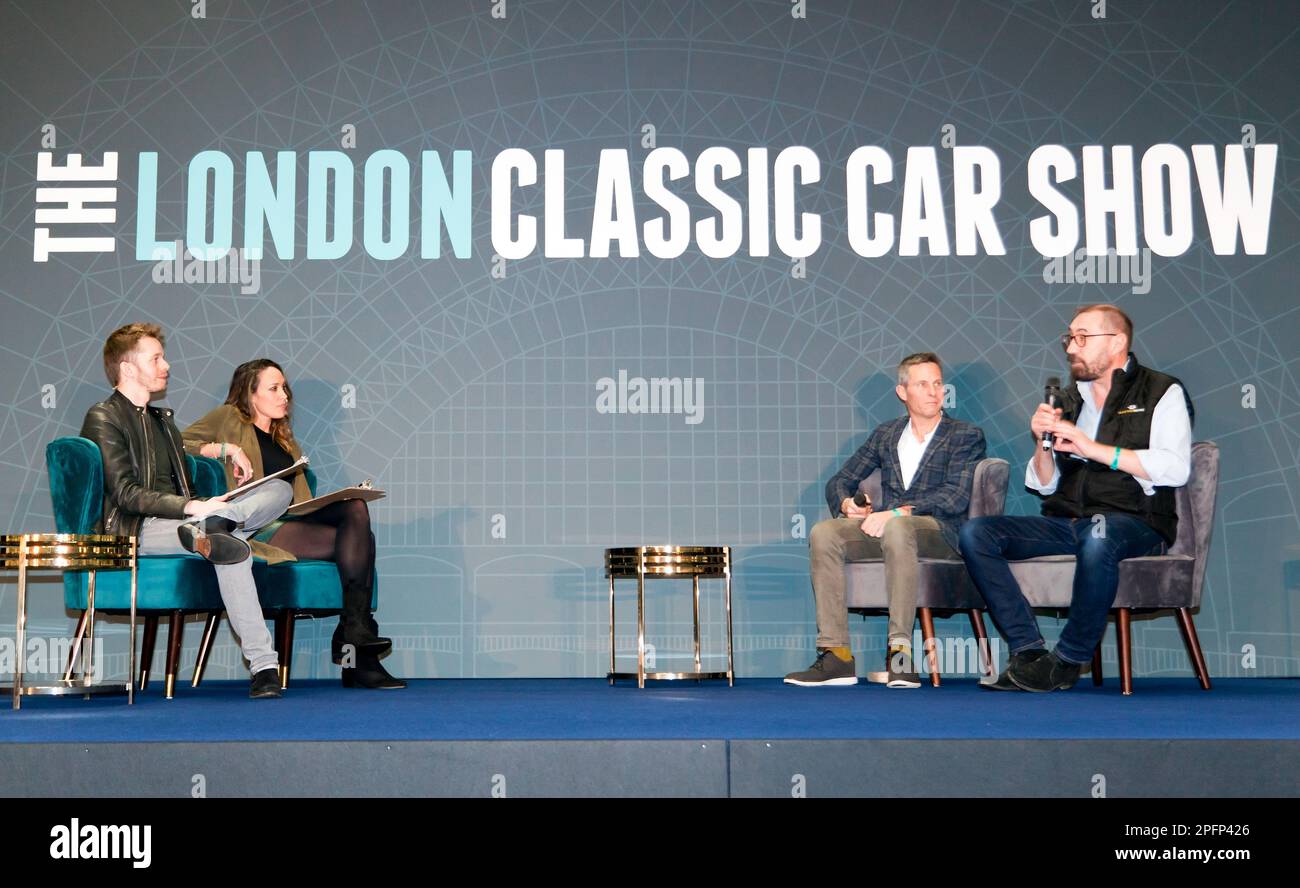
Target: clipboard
pixel 363 491
pixel 252 485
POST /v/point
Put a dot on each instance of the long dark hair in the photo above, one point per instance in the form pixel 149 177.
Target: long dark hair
pixel 242 385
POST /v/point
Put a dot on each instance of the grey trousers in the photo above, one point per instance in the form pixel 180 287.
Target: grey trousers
pixel 837 541
pixel 252 511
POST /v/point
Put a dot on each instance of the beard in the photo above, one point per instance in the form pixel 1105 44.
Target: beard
pixel 1082 371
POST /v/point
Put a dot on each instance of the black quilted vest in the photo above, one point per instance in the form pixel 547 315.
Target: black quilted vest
pixel 1087 488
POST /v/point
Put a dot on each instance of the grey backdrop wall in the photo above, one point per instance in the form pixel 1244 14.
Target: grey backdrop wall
pixel 475 396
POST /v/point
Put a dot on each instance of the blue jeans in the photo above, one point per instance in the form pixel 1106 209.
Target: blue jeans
pixel 987 544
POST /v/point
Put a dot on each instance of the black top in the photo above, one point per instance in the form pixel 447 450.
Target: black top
pixel 274 457
pixel 164 476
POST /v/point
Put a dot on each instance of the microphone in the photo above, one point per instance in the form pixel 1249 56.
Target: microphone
pixel 860 500
pixel 1052 398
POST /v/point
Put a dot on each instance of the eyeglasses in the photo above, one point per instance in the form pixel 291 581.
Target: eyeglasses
pixel 1080 339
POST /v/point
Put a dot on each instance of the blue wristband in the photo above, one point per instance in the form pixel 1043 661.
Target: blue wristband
pixel 1114 463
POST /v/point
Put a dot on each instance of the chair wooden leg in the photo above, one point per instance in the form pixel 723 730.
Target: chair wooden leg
pixel 1125 651
pixel 284 643
pixel 175 629
pixel 927 638
pixel 205 648
pixel 982 637
pixel 146 649
pixel 76 647
pixel 1193 646
pixel 1096 666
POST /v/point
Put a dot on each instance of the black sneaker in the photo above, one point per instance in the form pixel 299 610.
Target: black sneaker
pixel 1044 674
pixel 899 667
pixel 1003 682
pixel 829 670
pixel 266 683
pixel 211 537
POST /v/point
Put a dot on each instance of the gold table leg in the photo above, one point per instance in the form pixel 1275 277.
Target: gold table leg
pixel 20 661
pixel 731 671
pixel 695 590
pixel 130 665
pixel 611 629
pixel 75 655
pixel 640 620
pixel 89 662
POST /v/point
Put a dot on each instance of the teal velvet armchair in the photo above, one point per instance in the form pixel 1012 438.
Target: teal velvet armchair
pixel 177 585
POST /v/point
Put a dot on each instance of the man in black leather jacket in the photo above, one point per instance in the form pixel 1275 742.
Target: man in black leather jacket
pixel 148 492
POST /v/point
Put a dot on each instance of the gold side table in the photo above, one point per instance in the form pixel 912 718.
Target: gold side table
pixel 643 563
pixel 69 551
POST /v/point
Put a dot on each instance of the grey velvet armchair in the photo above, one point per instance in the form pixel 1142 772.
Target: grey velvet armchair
pixel 1172 581
pixel 944 584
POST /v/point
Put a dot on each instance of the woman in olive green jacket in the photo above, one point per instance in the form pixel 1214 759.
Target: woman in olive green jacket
pixel 251 433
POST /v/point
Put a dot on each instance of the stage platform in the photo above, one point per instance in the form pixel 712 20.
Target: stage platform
pixel 557 737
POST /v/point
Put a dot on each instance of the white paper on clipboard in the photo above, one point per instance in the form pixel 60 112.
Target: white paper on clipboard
pixel 364 491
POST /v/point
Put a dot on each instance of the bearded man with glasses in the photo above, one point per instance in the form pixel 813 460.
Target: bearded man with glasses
pixel 1122 443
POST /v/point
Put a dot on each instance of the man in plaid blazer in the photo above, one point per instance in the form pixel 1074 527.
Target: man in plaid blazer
pixel 927 466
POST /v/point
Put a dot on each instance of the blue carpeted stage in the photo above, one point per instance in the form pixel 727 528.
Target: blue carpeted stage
pixel 583 737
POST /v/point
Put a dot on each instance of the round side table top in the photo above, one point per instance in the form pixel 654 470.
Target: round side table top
pixel 66 551
pixel 668 561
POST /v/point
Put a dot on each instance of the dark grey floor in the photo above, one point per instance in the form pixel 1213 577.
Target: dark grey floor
pixel 704 768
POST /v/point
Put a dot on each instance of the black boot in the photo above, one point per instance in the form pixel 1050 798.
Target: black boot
pixel 357 627
pixel 370 673
pixel 382 644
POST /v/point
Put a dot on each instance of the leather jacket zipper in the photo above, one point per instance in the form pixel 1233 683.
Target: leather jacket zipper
pixel 147 456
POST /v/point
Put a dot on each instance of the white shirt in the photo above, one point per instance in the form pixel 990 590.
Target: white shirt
pixel 1168 460
pixel 911 450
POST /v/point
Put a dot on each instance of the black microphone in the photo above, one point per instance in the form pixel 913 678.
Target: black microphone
pixel 860 500
pixel 1052 398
